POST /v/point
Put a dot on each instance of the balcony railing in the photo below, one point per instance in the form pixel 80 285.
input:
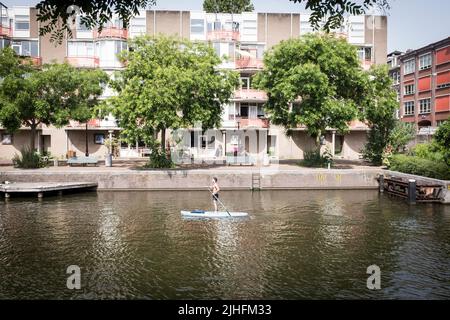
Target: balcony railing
pixel 250 94
pixel 112 32
pixel 35 61
pixel 93 124
pixel 5 31
pixel 249 63
pixel 83 62
pixel 225 35
pixel 366 64
pixel 253 123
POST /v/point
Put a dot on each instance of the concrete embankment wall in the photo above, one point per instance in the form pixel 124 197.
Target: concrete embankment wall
pixel 198 179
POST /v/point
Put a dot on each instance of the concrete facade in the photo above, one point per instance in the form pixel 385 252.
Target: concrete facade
pixel 241 37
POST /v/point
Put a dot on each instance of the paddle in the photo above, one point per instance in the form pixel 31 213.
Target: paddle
pixel 219 202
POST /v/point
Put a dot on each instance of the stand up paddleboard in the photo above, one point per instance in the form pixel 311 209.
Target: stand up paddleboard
pixel 212 214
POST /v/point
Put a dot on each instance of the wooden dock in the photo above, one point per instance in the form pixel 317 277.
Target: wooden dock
pixel 413 190
pixel 40 188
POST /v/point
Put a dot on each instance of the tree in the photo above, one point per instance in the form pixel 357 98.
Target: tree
pixel 52 96
pixel 315 81
pixel 228 6
pixel 442 138
pixel 332 12
pixel 380 104
pixel 56 16
pixel 169 83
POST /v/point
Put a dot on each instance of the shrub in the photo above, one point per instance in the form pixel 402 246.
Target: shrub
pixel 429 151
pixel 158 160
pixel 442 139
pixel 28 159
pixel 314 159
pixel 420 166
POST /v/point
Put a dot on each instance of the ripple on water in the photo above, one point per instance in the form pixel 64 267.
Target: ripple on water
pixel 295 244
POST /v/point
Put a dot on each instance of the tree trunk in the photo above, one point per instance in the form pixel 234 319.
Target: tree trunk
pixel 163 140
pixel 33 127
pixel 317 142
pixel 87 143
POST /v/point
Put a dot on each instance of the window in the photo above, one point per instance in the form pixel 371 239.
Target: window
pixel 425 106
pixel 361 54
pixel 395 77
pixel 409 89
pixel 208 142
pixel 217 25
pixel 260 111
pixel 120 46
pixel 81 49
pixel 425 61
pixel 26 48
pixel 6 138
pixel 4 43
pixel 250 27
pixel 4 21
pixel 197 26
pixel 368 54
pixel 410 66
pixel 22 23
pixel 137 26
pixel 99 138
pixel 245 83
pixel 244 111
pixel 409 108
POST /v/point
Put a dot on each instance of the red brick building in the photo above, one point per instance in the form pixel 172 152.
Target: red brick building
pixel 425 85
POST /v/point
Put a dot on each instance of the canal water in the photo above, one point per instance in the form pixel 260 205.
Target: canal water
pixel 295 245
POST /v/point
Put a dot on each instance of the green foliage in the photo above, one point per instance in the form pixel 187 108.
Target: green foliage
pixel 159 160
pixel 28 159
pixel 430 151
pixel 442 139
pixel 378 111
pixel 401 135
pixel 52 95
pixel 321 69
pixel 314 159
pixel 420 166
pixel 333 11
pixel 169 83
pixel 228 6
pixel 55 16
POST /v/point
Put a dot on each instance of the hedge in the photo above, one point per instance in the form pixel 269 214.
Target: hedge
pixel 420 166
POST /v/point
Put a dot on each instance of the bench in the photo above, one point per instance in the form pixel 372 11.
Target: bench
pixel 82 161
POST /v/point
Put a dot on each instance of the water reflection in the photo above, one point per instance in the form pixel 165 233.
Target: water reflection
pixel 296 244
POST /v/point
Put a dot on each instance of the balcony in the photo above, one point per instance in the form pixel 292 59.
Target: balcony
pixel 223 35
pixel 250 95
pixel 245 123
pixel 5 31
pixel 35 61
pixel 249 63
pixel 111 32
pixel 101 124
pixel 83 62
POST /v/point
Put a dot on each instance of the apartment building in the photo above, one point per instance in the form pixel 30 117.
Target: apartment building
pixel 425 86
pixel 242 38
pixel 393 63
